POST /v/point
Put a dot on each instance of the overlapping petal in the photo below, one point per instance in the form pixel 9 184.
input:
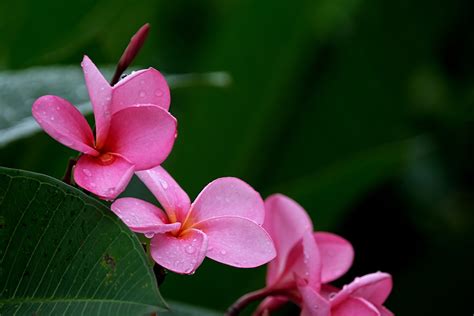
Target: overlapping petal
pixel 228 197
pixel 100 93
pixel 63 122
pixel 355 306
pixel 237 241
pixel 337 255
pixel 181 254
pixel 170 195
pixel 374 287
pixel 286 221
pixel 144 135
pixel 146 86
pixel 106 177
pixel 313 304
pixel 142 217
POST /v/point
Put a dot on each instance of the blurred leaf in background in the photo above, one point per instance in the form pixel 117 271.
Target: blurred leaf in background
pixel 361 110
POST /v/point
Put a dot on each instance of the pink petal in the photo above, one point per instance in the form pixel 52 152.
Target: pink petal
pixel 100 93
pixel 170 195
pixel 144 135
pixel 146 86
pixel 181 254
pixel 355 306
pixel 105 179
pixel 313 304
pixel 237 241
pixel 374 287
pixel 269 304
pixel 304 262
pixel 384 311
pixel 142 217
pixel 228 197
pixel 286 221
pixel 63 122
pixel 337 255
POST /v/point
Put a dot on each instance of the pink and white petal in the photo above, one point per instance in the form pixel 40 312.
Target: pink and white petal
pixel 106 180
pixel 142 217
pixel 100 93
pixel 63 122
pixel 181 254
pixel 146 86
pixel 355 306
pixel 237 241
pixel 304 262
pixel 286 221
pixel 269 304
pixel 337 255
pixel 167 191
pixel 313 304
pixel 374 287
pixel 144 135
pixel 228 197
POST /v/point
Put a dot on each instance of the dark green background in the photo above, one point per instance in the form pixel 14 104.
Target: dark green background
pixel 361 110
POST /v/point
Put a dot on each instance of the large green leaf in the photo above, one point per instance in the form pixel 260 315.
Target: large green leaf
pixel 63 252
pixel 19 89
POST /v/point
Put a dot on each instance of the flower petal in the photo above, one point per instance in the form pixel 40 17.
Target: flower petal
pixel 142 217
pixel 181 254
pixel 374 287
pixel 313 304
pixel 228 197
pixel 106 180
pixel 144 135
pixel 304 262
pixel 170 195
pixel 146 86
pixel 63 122
pixel 237 241
pixel 355 306
pixel 269 304
pixel 384 311
pixel 337 255
pixel 286 221
pixel 100 93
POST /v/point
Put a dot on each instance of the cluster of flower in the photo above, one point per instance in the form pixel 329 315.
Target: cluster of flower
pixel 228 222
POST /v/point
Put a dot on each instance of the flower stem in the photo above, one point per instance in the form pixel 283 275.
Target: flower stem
pixel 251 297
pixel 68 173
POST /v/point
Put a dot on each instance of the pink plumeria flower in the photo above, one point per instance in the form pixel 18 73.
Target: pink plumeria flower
pixel 223 223
pixel 134 130
pixel 304 261
pixel 364 296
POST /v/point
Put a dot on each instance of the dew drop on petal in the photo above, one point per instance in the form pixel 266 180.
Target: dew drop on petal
pixel 164 184
pixel 87 172
pixel 142 94
pixel 93 185
pixel 149 235
pixel 190 249
pixel 223 252
pixel 158 93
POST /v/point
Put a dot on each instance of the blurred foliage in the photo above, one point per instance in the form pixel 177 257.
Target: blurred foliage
pixel 361 110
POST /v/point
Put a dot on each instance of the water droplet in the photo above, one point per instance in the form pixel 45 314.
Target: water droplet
pixel 142 94
pixel 93 185
pixel 87 172
pixel 190 249
pixel 102 88
pixel 158 93
pixel 52 118
pixel 149 235
pixel 223 252
pixel 142 82
pixel 164 184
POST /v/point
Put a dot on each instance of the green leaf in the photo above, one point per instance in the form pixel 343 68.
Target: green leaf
pixel 19 89
pixel 63 252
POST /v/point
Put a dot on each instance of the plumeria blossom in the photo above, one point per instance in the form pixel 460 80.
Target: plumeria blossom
pixel 133 129
pixel 223 223
pixel 307 261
